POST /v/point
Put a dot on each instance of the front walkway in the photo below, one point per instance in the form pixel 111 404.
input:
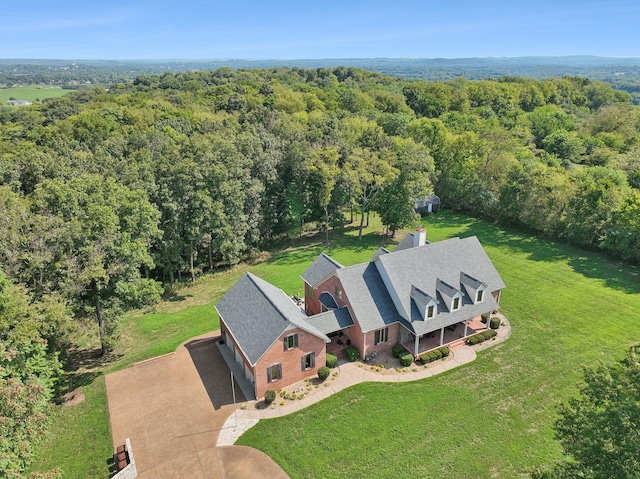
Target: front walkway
pixel 350 374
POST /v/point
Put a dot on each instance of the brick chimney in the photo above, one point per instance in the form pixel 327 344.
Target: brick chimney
pixel 419 237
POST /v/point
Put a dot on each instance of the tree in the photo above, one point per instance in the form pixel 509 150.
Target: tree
pixel 323 168
pixel 367 171
pixel 106 242
pixel 600 430
pixel 28 373
pixel 396 200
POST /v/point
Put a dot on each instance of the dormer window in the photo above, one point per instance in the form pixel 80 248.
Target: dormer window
pixel 479 295
pixel 456 304
pixel 431 311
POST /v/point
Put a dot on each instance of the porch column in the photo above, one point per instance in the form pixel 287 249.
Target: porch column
pixel 466 323
pixel 416 343
pixel 441 336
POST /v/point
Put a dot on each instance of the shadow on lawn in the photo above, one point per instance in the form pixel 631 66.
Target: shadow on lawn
pixel 591 264
pixel 82 367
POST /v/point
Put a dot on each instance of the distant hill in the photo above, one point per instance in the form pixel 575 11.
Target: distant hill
pixel 622 73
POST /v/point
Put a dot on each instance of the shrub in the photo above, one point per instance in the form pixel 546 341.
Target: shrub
pixel 432 356
pixel 406 359
pixel 489 333
pixel 269 396
pixel 424 357
pixel 437 354
pixel 471 340
pixel 495 323
pixel 485 318
pixel 332 360
pixel 397 350
pixel 352 353
pixel 323 372
pixel 445 351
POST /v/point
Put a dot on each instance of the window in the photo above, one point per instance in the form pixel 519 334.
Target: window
pixel 308 361
pixel 381 336
pixel 274 373
pixel 456 304
pixel 430 311
pixel 290 342
pixel 479 295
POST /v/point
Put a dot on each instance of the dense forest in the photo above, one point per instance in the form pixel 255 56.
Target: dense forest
pixel 107 197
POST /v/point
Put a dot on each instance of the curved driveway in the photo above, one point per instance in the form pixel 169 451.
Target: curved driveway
pixel 172 408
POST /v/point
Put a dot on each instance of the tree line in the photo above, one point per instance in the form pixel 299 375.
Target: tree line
pixel 107 197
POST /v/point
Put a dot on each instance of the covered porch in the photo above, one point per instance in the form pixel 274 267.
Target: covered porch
pixel 339 341
pixel 451 336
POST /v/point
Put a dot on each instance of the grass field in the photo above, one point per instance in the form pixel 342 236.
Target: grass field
pixel 31 93
pixel 491 418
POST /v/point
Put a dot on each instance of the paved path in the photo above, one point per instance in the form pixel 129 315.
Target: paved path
pixel 350 374
pixel 173 407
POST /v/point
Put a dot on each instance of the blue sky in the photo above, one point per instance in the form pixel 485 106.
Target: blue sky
pixel 280 29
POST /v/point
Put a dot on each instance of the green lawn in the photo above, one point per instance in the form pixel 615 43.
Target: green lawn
pixel 31 93
pixel 490 418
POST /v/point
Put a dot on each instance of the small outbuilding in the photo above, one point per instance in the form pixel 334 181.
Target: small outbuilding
pixel 429 204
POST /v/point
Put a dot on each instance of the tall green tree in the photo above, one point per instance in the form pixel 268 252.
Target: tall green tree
pixel 28 373
pixel 106 242
pixel 600 429
pixel 367 172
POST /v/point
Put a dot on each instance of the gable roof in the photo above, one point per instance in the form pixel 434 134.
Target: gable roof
pixel 405 243
pixel 321 268
pixel 257 313
pixel 436 268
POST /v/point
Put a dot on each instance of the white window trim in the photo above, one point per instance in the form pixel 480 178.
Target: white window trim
pixel 381 336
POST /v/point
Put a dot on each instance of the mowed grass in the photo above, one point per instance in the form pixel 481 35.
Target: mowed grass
pixel 31 93
pixel 187 313
pixel 491 418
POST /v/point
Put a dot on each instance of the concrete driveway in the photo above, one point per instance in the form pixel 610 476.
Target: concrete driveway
pixel 173 407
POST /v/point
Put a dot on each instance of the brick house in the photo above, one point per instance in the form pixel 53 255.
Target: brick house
pixel 411 296
pixel 269 336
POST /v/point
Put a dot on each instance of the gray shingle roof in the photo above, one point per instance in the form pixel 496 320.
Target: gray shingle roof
pixel 380 251
pixel 327 300
pixel 321 268
pixel 368 296
pixel 445 288
pixel 257 313
pixel 331 321
pixel 418 295
pixel 405 243
pixel 437 266
pixel 469 281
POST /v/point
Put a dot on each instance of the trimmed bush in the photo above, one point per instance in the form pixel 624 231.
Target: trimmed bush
pixel 352 353
pixel 485 318
pixel 471 340
pixel 495 323
pixel 332 360
pixel 323 372
pixel 489 333
pixel 437 354
pixel 269 396
pixel 424 357
pixel 445 351
pixel 406 359
pixel 397 350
